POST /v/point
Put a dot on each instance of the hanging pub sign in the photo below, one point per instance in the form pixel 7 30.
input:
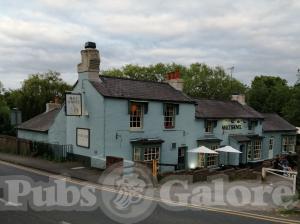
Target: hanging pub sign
pixel 232 125
pixel 73 104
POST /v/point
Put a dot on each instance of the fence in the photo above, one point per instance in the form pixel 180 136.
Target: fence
pixel 13 145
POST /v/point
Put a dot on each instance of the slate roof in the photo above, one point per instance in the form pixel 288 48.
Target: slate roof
pixel 41 122
pixel 140 90
pixel 225 109
pixel 240 138
pixel 273 122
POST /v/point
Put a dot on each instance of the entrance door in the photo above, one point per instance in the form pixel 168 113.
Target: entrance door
pixel 271 148
pixel 181 158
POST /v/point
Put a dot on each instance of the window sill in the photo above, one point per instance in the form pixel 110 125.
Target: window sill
pixel 136 130
pixel 169 129
pixel 256 161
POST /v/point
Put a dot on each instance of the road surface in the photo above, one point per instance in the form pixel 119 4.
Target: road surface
pixel 159 215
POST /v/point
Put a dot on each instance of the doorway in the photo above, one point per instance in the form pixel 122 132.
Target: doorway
pixel 181 157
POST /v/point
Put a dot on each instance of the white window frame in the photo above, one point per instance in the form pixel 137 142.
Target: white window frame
pixel 169 116
pixel 288 144
pixel 212 159
pixel 257 149
pixel 151 152
pixel 201 160
pixel 134 124
pixel 254 150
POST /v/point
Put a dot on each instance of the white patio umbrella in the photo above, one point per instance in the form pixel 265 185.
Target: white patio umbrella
pixel 228 149
pixel 202 149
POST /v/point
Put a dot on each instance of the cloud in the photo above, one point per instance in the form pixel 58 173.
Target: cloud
pixel 258 37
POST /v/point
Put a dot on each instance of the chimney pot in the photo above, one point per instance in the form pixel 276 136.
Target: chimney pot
pixel 173 79
pixel 90 45
pixel 90 62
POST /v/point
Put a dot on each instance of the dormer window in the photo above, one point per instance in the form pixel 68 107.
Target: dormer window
pixel 170 111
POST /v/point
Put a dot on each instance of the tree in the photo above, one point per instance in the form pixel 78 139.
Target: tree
pixel 152 72
pixel 291 110
pixel 200 80
pixel 269 94
pixel 5 127
pixel 203 81
pixel 35 92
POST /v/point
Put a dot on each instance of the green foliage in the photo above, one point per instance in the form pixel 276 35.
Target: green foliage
pixel 203 81
pixel 200 80
pixel 269 94
pixel 291 110
pixel 35 92
pixel 152 72
pixel 4 116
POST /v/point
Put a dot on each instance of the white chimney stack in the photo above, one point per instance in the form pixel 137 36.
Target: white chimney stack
pixel 90 62
pixel 53 105
pixel 240 98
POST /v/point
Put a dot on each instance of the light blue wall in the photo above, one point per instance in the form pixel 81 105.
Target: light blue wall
pixel 277 142
pixel 118 134
pixel 224 135
pixel 33 135
pixel 108 121
pixel 57 132
pixel 93 103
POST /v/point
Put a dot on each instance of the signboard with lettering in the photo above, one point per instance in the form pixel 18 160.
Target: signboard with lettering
pixel 73 104
pixel 232 125
pixel 83 137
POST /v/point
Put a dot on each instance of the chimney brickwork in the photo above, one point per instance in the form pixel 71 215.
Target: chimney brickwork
pixel 90 61
pixel 173 79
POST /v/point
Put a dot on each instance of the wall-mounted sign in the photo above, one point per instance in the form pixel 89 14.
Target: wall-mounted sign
pixel 73 104
pixel 232 125
pixel 83 137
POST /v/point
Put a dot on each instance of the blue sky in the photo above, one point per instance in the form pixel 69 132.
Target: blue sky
pixel 256 36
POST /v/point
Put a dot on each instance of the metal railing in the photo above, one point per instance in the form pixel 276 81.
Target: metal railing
pixel 285 174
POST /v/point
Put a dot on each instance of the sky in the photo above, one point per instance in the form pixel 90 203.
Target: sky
pixel 257 37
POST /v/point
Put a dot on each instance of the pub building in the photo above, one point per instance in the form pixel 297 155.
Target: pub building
pixel 146 120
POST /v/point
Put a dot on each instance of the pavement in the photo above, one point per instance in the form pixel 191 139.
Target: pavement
pixel 159 214
pixel 70 169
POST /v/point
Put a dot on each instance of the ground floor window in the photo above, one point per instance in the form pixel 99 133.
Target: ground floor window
pixel 212 159
pixel 201 160
pixel 146 153
pixel 207 160
pixel 254 150
pixel 288 144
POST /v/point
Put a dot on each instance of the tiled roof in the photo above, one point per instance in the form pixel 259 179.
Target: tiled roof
pixel 273 122
pixel 41 122
pixel 139 90
pixel 225 109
